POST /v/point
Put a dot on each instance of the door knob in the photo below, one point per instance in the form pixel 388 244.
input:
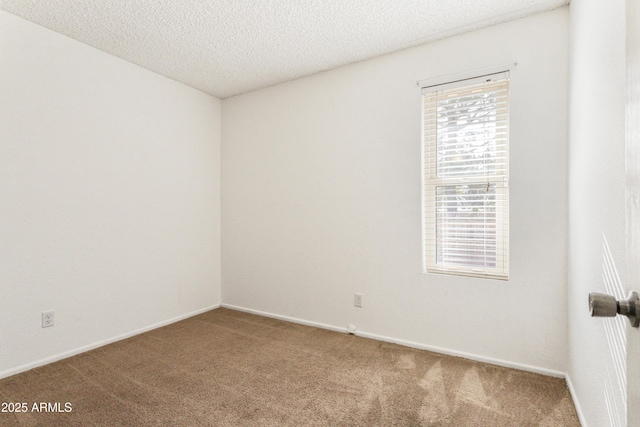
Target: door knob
pixel 603 305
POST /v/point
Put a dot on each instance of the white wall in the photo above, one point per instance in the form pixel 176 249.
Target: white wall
pixel 109 196
pixel 321 189
pixel 596 191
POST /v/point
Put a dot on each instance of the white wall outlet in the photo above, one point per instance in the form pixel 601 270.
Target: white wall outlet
pixel 357 301
pixel 47 318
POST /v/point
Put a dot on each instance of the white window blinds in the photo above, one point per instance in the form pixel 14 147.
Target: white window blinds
pixel 465 166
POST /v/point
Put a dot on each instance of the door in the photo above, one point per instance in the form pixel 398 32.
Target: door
pixel 632 172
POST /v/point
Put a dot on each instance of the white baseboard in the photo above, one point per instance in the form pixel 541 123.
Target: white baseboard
pixel 66 354
pixel 464 355
pixel 576 402
pixel 285 318
pixel 470 356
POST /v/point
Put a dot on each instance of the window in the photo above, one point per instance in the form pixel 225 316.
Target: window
pixel 465 170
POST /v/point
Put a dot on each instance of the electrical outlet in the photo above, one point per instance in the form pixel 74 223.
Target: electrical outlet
pixel 47 318
pixel 357 301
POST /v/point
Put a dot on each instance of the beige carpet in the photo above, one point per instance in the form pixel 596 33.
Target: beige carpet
pixel 227 368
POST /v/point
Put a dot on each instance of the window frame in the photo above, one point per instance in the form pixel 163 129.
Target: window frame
pixel 431 181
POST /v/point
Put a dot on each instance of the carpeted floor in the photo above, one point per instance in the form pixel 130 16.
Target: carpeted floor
pixel 228 368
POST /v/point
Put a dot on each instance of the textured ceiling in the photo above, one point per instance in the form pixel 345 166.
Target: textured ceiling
pixel 227 47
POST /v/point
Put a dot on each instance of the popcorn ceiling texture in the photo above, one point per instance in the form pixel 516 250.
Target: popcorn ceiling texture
pixel 228 47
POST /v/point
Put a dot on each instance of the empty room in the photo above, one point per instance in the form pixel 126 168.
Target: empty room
pixel 306 213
